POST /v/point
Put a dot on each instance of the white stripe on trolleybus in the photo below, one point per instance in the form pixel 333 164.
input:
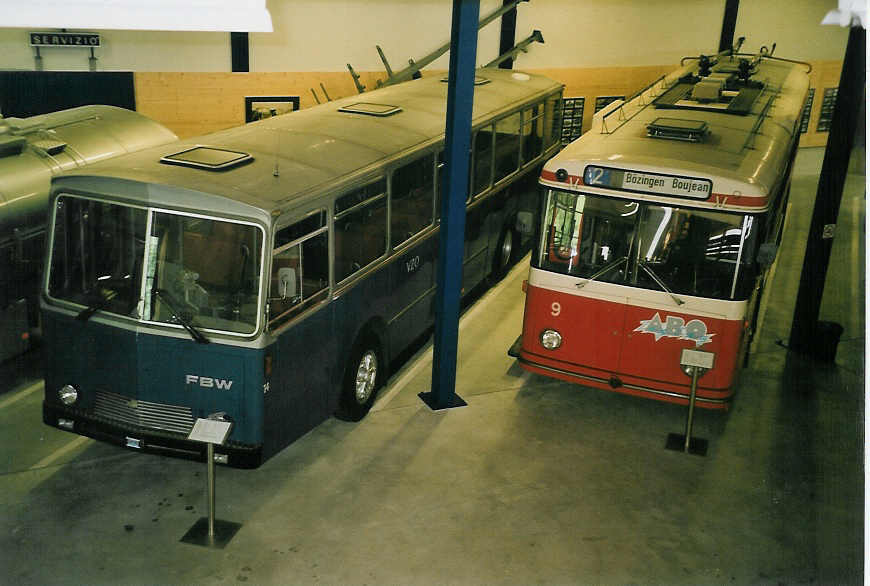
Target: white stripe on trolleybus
pixel 656 300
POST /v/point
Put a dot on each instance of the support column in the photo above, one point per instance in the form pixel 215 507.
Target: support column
pixel 508 35
pixel 729 23
pixel 460 93
pixel 807 337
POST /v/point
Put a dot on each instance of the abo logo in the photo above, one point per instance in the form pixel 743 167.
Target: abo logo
pixel 675 327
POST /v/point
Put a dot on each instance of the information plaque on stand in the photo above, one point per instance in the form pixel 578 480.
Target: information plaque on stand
pixel 208 531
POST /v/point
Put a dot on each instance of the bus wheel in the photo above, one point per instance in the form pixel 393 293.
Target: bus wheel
pixel 362 380
pixel 504 253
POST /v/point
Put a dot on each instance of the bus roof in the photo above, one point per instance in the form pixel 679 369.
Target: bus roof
pixel 316 150
pixel 34 149
pixel 735 164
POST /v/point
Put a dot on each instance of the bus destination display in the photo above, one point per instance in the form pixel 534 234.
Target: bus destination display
pixel 637 182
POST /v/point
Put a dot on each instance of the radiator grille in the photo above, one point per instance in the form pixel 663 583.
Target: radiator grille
pixel 143 413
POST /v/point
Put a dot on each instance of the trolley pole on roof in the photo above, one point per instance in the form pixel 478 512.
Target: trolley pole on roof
pixel 460 93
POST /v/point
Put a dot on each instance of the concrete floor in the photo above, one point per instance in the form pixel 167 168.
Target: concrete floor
pixel 536 481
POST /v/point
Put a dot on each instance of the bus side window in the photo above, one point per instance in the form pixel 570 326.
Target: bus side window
pixel 411 193
pixel 360 229
pixel 507 146
pixel 532 133
pixel 300 268
pixel 481 150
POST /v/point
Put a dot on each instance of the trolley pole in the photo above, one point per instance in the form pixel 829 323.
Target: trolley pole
pixel 694 363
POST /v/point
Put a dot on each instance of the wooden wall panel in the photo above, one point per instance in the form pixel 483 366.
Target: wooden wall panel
pixel 191 104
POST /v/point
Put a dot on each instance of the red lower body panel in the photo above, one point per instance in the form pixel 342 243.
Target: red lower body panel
pixel 629 348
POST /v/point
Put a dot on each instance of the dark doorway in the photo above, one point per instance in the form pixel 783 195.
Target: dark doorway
pixel 29 93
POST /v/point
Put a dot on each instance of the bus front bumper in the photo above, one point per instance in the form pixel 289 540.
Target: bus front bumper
pixel 708 399
pixel 147 440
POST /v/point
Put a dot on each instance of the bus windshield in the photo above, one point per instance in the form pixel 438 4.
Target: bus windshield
pixel 679 250
pixel 201 272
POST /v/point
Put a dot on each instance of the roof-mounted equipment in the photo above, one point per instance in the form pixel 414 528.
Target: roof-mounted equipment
pixel 678 129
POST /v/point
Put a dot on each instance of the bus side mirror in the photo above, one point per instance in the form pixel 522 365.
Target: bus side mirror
pixel 287 282
pixel 766 254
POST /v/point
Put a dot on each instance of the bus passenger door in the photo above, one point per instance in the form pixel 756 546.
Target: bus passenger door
pixel 412 274
pixel 474 258
pixel 300 359
pixel 412 279
pixel 294 398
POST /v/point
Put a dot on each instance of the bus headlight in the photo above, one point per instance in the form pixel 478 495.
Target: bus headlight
pixel 68 394
pixel 551 339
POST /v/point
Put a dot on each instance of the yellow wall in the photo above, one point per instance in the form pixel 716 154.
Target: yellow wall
pixel 191 104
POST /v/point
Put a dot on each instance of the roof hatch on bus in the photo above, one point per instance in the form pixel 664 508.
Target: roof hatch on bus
pixel 478 80
pixel 205 157
pixel 381 110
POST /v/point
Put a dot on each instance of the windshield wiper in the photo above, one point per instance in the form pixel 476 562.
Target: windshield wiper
pixel 659 282
pixel 176 315
pixel 100 304
pixel 606 269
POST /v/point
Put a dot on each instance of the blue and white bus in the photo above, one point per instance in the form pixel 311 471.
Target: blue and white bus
pixel 274 272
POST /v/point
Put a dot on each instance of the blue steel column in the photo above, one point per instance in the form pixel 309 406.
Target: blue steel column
pixel 460 92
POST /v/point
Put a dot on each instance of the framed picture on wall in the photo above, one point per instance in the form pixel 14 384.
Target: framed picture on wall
pixel 572 118
pixel 808 108
pixel 829 101
pixel 602 101
pixel 261 107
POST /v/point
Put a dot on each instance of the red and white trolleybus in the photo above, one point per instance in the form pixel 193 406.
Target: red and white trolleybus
pixel 659 225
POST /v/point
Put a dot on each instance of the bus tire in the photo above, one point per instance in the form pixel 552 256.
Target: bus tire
pixel 363 377
pixel 504 252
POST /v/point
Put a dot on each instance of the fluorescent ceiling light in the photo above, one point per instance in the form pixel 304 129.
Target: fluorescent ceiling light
pixel 157 15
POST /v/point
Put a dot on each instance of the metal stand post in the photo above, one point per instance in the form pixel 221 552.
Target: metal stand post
pixel 208 531
pixel 697 363
pixel 692 395
pixel 210 452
